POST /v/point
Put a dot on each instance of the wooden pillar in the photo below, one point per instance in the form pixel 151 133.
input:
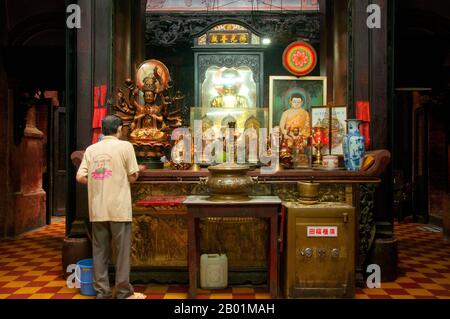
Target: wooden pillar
pixel 107 47
pixel 326 45
pixel 369 81
pixel 359 68
pixel 29 198
pixel 83 107
pixel 340 52
pixel 379 81
pixel 5 135
pixel 446 205
pixel 129 49
pixel 334 49
pixel 380 103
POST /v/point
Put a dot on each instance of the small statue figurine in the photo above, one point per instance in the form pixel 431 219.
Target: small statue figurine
pixel 229 98
pixel 149 123
pixel 294 149
pixel 178 154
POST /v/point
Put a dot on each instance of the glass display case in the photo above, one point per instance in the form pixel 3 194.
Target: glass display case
pixel 214 123
pixel 229 67
pixel 219 117
pixel 228 88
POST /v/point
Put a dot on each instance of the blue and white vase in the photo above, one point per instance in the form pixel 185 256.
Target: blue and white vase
pixel 353 145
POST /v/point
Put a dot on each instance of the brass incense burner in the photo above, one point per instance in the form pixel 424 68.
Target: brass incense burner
pixel 229 181
pixel 309 192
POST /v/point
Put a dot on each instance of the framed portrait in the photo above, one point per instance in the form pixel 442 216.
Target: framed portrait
pixel 305 91
pixel 338 129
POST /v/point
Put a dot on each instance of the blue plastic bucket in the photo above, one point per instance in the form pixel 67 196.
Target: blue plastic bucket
pixel 85 270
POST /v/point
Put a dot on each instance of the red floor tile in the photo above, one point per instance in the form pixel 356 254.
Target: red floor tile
pixel 414 258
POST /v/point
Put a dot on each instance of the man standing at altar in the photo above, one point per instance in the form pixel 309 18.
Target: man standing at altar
pixel 108 167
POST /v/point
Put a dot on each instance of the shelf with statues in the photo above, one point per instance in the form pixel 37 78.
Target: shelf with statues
pixel 212 126
pixel 281 175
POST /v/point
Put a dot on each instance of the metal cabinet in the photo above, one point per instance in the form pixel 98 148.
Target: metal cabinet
pixel 319 257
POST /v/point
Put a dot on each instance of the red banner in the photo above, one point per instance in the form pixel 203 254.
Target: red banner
pixel 363 114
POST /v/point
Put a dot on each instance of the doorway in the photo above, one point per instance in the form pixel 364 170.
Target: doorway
pixel 50 119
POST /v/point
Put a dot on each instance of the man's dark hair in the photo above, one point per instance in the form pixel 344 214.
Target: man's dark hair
pixel 296 95
pixel 110 124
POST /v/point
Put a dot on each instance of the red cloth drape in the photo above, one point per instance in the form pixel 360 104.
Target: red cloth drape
pixel 363 114
pixel 100 111
pixel 161 201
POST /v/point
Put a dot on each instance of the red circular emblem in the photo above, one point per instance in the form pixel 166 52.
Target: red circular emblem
pixel 299 58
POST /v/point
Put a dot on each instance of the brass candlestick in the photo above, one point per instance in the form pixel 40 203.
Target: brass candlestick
pixel 318 137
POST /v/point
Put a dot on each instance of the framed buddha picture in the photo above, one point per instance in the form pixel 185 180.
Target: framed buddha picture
pixel 291 99
pixel 328 124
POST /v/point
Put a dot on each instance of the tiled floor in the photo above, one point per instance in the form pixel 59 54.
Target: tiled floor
pixel 30 268
pixel 424 261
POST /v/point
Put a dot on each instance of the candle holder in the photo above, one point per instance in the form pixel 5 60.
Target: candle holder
pixel 320 141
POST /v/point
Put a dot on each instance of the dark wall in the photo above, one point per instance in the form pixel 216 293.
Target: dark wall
pixel 422 60
pixel 422 47
pixel 180 61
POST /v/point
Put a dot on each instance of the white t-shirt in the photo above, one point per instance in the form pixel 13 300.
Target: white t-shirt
pixel 107 165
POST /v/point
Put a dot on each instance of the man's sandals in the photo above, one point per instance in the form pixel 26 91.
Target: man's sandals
pixel 137 295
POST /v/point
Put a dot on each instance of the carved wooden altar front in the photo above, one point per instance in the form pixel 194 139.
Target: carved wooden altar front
pixel 159 239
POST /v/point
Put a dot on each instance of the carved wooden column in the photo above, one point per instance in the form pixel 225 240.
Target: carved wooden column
pixel 369 80
pixel 104 53
pixel 5 132
pixel 6 138
pixel 340 51
pixel 334 49
pixel 326 45
pixel 129 48
pixel 27 165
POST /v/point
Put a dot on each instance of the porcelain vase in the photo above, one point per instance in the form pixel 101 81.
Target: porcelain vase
pixel 353 145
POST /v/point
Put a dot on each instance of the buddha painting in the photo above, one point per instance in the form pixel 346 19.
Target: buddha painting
pixel 295 130
pixel 295 117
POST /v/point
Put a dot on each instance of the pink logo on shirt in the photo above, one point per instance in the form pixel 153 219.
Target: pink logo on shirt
pixel 103 169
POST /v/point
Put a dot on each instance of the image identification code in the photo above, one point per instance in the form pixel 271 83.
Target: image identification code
pixel 225 308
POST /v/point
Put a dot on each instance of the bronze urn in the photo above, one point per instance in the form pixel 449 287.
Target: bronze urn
pixel 309 192
pixel 229 181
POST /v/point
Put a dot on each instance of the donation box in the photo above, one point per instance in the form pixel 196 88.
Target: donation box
pixel 319 252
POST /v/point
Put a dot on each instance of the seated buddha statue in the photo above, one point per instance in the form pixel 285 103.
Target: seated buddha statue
pixel 149 119
pixel 148 122
pixel 229 97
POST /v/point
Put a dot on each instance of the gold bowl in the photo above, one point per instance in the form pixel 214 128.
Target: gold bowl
pixel 309 192
pixel 229 181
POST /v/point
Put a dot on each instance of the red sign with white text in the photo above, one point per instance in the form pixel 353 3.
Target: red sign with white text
pixel 322 231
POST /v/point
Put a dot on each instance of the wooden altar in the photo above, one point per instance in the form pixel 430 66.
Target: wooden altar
pixel 160 232
pixel 159 239
pixel 264 207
